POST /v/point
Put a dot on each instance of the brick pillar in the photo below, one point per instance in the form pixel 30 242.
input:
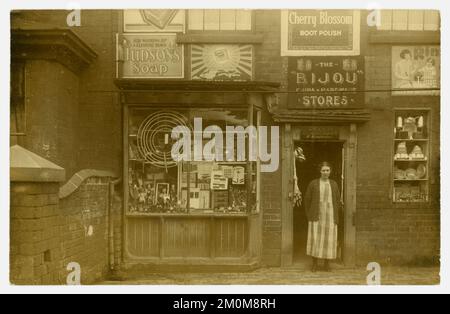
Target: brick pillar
pixel 35 245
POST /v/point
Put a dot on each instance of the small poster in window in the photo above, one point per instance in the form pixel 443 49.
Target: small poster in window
pixel 218 180
pixel 228 172
pixel 238 175
pixel 204 172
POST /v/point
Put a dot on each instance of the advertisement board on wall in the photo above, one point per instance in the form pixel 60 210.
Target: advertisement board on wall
pixel 326 82
pixel 320 33
pixel 149 56
pixel 416 70
pixel 222 62
pixel 153 21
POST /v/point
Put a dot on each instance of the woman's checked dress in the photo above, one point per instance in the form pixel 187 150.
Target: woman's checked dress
pixel 323 234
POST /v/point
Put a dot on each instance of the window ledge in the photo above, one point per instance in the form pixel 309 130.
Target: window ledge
pixel 218 38
pixel 404 37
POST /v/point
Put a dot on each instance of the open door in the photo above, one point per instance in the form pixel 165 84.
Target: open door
pixel 316 152
pixel 337 145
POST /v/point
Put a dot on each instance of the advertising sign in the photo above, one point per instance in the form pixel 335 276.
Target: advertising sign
pixel 219 181
pixel 222 62
pixel 153 21
pixel 320 33
pixel 326 82
pixel 149 56
pixel 416 69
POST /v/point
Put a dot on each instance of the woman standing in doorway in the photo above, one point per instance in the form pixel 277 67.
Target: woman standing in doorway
pixel 322 204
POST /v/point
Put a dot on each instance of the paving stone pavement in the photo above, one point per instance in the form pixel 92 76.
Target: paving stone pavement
pixel 294 275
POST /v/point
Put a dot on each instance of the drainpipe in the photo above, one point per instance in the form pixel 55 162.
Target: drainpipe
pixel 112 185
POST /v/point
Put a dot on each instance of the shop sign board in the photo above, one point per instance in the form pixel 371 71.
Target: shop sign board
pixel 326 82
pixel 320 33
pixel 154 56
pixel 311 133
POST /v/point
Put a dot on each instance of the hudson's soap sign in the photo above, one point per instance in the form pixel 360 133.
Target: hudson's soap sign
pixel 326 82
pixel 320 33
pixel 149 56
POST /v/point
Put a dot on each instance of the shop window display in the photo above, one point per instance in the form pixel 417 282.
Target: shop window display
pixel 411 156
pixel 158 184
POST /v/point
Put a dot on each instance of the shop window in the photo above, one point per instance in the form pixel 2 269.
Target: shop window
pixel 411 156
pixel 227 183
pixel 17 103
pixel 410 20
pixel 220 20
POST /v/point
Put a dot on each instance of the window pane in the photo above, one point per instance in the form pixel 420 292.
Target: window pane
pixel 400 20
pixel 196 20
pixel 212 20
pixel 228 20
pixel 415 20
pixel 386 20
pixel 431 21
pixel 243 20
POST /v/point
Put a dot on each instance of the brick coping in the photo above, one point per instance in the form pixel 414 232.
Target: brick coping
pixel 75 182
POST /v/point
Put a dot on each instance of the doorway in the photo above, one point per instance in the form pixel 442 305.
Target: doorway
pixel 316 152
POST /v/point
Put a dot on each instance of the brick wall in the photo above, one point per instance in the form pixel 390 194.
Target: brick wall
pixel 271 67
pixel 388 232
pixel 48 233
pixel 64 110
pixel 35 249
pixel 52 94
pixel 100 147
pixel 84 229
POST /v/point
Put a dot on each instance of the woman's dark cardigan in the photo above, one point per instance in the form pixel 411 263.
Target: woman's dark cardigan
pixel 312 200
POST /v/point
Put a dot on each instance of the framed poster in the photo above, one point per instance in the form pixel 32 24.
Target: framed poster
pixel 320 33
pixel 416 70
pixel 150 21
pixel 238 176
pixel 222 62
pixel 219 181
pixel 155 56
pixel 326 82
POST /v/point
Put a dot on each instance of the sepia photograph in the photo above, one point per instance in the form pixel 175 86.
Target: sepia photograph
pixel 198 146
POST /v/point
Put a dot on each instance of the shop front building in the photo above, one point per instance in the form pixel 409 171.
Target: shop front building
pixel 157 91
pixel 369 106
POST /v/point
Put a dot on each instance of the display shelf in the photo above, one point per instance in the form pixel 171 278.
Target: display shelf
pixel 411 160
pixel 411 140
pixel 411 123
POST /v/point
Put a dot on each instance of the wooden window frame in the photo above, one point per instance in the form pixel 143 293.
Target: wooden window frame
pixel 222 32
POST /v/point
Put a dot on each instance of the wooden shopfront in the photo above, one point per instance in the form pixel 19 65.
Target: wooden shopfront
pixel 189 212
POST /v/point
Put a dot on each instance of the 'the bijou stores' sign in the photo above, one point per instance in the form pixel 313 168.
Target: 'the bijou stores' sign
pixel 320 33
pixel 326 82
